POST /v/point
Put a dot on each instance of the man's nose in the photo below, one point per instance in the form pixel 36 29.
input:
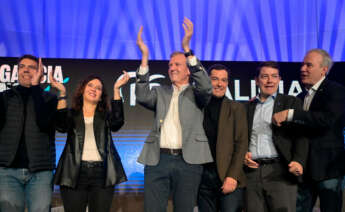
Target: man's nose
pixel 303 68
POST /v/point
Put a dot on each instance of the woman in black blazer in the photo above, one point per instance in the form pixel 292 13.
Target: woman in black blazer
pixel 89 166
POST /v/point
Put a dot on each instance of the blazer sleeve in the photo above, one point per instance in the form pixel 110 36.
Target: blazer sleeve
pixel 202 84
pixel 300 142
pixel 240 143
pixel 144 95
pixel 116 116
pixel 63 120
pixel 333 108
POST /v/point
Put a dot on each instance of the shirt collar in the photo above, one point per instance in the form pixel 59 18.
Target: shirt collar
pixel 182 87
pixel 273 96
pixel 317 85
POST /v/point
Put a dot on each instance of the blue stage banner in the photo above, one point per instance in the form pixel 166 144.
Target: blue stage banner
pixel 225 30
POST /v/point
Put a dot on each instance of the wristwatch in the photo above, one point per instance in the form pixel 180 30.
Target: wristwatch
pixel 190 53
pixel 62 97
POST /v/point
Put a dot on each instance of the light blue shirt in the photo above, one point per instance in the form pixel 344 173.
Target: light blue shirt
pixel 261 143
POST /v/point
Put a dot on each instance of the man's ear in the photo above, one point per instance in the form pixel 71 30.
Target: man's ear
pixel 325 70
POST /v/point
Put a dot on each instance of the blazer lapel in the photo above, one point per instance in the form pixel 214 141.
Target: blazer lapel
pixel 318 95
pixel 167 99
pixel 223 116
pixel 98 125
pixel 80 129
pixel 250 114
pixel 278 106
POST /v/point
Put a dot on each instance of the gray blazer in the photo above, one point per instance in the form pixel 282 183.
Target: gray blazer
pixel 195 148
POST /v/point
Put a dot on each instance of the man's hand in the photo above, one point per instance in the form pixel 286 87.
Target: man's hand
pixel 55 84
pixel 143 48
pixel 249 162
pixel 280 117
pixel 188 32
pixel 36 77
pixel 229 185
pixel 295 168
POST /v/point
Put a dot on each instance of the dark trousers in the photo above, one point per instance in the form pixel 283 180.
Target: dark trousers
pixel 90 191
pixel 211 199
pixel 172 175
pixel 270 189
pixel 329 192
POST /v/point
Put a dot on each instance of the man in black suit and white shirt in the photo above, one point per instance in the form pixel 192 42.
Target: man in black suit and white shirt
pixel 323 120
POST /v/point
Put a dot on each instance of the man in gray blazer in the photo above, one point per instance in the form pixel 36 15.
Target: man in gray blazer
pixel 177 145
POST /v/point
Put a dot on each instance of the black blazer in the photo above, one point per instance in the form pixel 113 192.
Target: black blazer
pixel 288 139
pixel 72 122
pixel 323 125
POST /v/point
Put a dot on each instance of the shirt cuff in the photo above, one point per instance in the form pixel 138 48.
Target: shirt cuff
pixel 290 115
pixel 192 61
pixel 143 70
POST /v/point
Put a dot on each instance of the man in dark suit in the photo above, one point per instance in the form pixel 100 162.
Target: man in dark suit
pixel 223 181
pixel 277 155
pixel 323 120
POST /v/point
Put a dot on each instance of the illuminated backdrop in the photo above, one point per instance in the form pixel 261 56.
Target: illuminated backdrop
pixel 231 30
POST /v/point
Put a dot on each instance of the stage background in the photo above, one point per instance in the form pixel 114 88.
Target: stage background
pixel 138 120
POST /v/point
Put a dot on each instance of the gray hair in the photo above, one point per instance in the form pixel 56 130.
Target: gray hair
pixel 326 58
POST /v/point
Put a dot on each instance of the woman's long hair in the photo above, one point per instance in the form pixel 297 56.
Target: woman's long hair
pixel 77 101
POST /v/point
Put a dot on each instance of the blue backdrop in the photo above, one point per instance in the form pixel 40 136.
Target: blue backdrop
pixel 245 30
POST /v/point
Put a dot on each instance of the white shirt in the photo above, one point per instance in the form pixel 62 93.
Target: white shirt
pixel 307 99
pixel 171 131
pixel 90 150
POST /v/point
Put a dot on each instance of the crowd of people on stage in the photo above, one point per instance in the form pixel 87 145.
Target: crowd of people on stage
pixel 274 153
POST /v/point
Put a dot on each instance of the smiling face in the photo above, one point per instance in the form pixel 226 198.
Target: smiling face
pixel 268 81
pixel 312 69
pixel 219 81
pixel 93 91
pixel 178 70
pixel 26 69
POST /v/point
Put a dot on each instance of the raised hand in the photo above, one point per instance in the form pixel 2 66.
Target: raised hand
pixel 143 48
pixel 188 32
pixel 119 83
pixel 55 84
pixel 36 77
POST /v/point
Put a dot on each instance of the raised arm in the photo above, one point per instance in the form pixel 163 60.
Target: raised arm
pixel 203 87
pixel 44 103
pixel 144 95
pixel 117 116
pixel 143 49
pixel 62 98
pixel 119 83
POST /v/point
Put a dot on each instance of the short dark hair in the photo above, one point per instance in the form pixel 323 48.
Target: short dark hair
pixel 271 64
pixel 27 56
pixel 218 67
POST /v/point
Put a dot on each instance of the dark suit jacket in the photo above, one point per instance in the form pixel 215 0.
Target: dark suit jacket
pixel 324 125
pixel 288 139
pixel 232 141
